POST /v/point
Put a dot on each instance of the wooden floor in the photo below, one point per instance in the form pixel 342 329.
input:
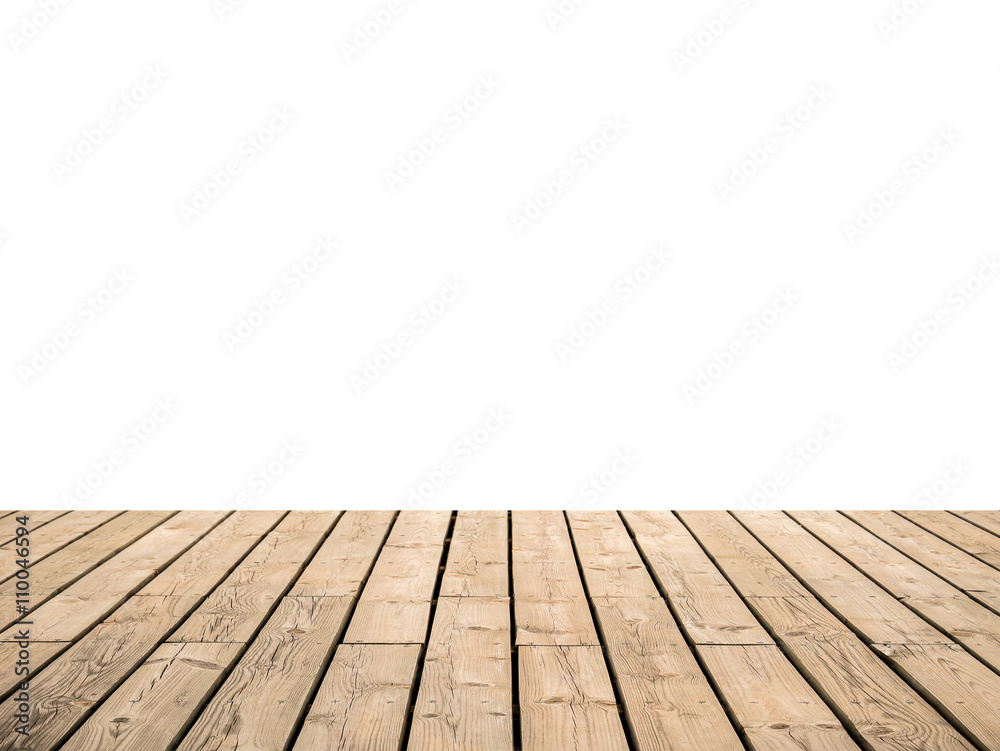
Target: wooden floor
pixel 483 631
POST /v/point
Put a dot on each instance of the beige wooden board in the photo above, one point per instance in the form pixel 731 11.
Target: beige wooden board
pixel 237 607
pixel 465 702
pixel 97 594
pixel 389 622
pixel 879 705
pixel 150 710
pixel 567 701
pixel 959 685
pixel 67 691
pixel 363 700
pixel 261 701
pixel 979 580
pixel 951 610
pixel 750 567
pixel 50 537
pixel 550 604
pixel 57 571
pixel 37 521
pixel 988 520
pixel 845 590
pixel 774 705
pixel 707 607
pixel 611 565
pixel 201 568
pixel 667 699
pixel 42 653
pixel 344 561
pixel 477 557
pixel 962 534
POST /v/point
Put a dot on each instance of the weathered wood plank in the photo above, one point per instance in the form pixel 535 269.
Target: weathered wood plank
pixel 362 701
pixel 150 710
pixel 775 706
pixel 235 609
pixel 550 604
pixel 962 534
pixel 344 561
pixel 610 563
pixel 465 701
pixel 260 702
pixel 707 607
pixel 667 699
pixel 988 520
pixel 567 701
pixel 47 538
pixel 477 556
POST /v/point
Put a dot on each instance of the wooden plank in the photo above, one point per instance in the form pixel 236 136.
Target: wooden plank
pixel 260 703
pixel 42 653
pixel 235 609
pixel 95 595
pixel 50 537
pixel 856 599
pixel 667 699
pixel 344 561
pixel 152 707
pixel 951 610
pixel 975 578
pixel 567 701
pixel 363 700
pixel 776 708
pixel 550 605
pixel 750 567
pixel 37 520
pixel 610 563
pixel 477 556
pixel 69 688
pixel 465 700
pixel 962 534
pixel 59 570
pixel 707 607
pixel 876 703
pixel 988 520
pixel 395 605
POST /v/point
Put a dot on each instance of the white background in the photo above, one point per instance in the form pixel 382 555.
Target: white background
pixel 495 347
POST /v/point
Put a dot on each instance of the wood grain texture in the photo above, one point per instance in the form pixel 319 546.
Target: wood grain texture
pixel 707 606
pixel 550 604
pixel 667 699
pixel 362 701
pixel 260 702
pixel 47 538
pixel 42 653
pixel 610 563
pixel 988 520
pixel 237 607
pixel 345 559
pixel 962 534
pixel 477 557
pixel 150 710
pixel 465 701
pixel 67 691
pixel 567 701
pixel 774 705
